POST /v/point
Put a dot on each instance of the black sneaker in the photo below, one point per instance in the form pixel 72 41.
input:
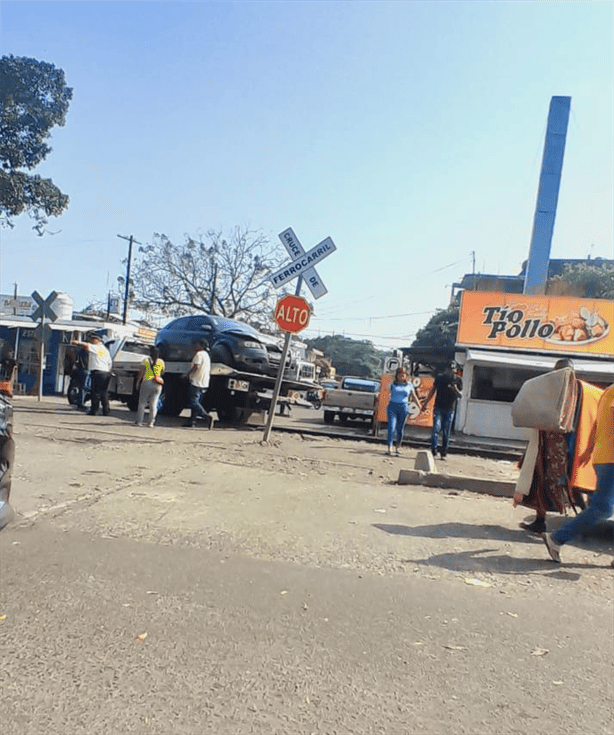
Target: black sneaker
pixel 189 424
pixel 538 526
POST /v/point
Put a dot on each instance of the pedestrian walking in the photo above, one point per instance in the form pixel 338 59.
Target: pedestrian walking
pixel 149 382
pixel 400 391
pixel 198 377
pixel 99 365
pixel 602 500
pixel 447 389
pixel 556 471
pixel 82 376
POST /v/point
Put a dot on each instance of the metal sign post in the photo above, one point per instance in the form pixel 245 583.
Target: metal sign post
pixel 42 311
pixel 280 374
pixel 301 266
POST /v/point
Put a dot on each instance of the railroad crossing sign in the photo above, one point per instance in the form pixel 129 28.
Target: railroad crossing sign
pixel 43 312
pixel 292 314
pixel 44 309
pixel 303 263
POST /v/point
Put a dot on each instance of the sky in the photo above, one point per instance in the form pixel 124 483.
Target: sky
pixel 411 133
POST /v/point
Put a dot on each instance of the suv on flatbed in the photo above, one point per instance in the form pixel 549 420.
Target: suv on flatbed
pixel 230 342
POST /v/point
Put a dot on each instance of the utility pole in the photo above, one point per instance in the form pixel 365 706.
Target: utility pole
pixel 536 272
pixel 127 290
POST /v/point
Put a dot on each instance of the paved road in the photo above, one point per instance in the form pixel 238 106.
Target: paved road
pixel 181 581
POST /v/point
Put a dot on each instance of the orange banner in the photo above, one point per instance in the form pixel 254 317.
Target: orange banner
pixel 561 324
pixel 416 416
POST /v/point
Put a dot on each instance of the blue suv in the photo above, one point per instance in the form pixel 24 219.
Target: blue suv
pixel 230 342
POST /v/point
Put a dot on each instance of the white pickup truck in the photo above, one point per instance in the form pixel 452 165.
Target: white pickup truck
pixel 354 399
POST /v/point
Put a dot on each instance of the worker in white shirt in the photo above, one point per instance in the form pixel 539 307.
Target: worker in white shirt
pixel 99 365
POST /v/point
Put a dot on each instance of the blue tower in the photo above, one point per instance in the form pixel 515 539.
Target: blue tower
pixel 547 197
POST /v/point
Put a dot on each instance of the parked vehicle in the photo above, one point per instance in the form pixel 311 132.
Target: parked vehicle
pixel 302 370
pixel 128 356
pixel 329 384
pixel 354 399
pixel 228 342
pixel 7 458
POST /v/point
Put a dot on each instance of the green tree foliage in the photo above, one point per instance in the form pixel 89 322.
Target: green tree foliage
pixel 33 99
pixel 226 276
pixel 591 279
pixel 440 331
pixel 350 356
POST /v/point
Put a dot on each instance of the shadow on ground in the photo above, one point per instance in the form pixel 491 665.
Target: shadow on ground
pixel 476 561
pixel 485 560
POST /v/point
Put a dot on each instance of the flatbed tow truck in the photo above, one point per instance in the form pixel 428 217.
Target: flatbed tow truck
pixel 233 394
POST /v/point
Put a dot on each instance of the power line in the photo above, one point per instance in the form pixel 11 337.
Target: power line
pixel 371 318
pixel 381 338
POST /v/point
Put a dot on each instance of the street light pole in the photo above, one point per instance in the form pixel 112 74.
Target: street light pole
pixel 127 290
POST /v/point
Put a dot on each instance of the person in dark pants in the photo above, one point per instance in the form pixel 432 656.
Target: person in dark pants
pixel 99 364
pixel 447 389
pixel 198 377
pixel 82 375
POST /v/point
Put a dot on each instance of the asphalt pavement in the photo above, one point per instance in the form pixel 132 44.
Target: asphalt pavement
pixel 179 581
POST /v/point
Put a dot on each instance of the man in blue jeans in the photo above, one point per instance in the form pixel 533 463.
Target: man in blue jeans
pixel 198 377
pixel 602 500
pixel 447 388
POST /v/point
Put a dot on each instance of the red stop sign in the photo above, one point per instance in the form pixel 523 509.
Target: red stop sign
pixel 292 314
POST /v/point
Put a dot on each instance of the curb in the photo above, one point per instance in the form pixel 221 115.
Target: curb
pixel 499 489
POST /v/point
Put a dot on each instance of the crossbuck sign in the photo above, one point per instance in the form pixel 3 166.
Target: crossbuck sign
pixel 303 263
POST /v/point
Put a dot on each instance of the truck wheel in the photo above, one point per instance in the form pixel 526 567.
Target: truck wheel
pixel 233 415
pixel 133 402
pixel 329 417
pixel 72 394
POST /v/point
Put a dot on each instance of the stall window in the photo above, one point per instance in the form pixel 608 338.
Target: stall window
pixel 29 356
pixel 500 383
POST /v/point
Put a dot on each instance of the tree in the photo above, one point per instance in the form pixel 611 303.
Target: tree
pixel 591 280
pixel 350 356
pixel 216 275
pixel 33 99
pixel 439 333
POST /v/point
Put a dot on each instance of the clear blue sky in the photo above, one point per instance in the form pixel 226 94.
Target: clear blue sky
pixel 409 132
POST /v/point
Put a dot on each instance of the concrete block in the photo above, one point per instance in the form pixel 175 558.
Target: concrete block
pixel 425 461
pixel 496 488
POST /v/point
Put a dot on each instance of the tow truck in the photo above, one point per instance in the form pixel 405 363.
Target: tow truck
pixel 233 394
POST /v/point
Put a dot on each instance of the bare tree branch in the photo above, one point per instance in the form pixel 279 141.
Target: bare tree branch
pixel 212 273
